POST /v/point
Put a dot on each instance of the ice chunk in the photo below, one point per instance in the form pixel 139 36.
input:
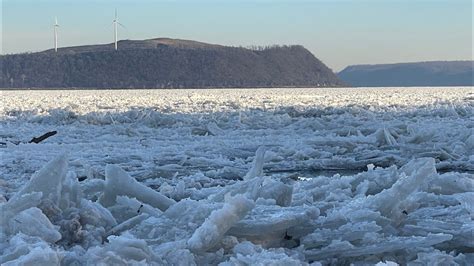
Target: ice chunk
pixel 199 131
pixel 267 225
pixel 470 141
pixel 218 223
pixel 127 208
pixel 37 256
pixel 177 222
pixel 388 201
pixel 33 222
pixel 214 129
pixel 179 257
pixel 47 180
pixel 247 253
pixel 467 201
pixel 73 256
pixel 384 137
pixel 276 190
pixel 29 250
pixel 2 198
pixel 442 219
pixel 257 164
pixel 211 129
pixel 175 253
pixel 95 214
pixel 437 257
pixel 386 263
pixel 248 187
pixel 71 193
pixel 20 203
pixel 121 250
pixel 128 224
pixel 450 183
pixel 389 139
pixel 190 211
pixel 349 232
pixel 91 188
pixel 344 249
pixel 118 182
pixel 258 187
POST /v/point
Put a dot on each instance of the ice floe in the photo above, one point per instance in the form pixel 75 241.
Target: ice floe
pixel 211 177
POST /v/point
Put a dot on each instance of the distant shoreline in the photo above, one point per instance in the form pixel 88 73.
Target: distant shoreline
pixel 220 88
pixel 431 73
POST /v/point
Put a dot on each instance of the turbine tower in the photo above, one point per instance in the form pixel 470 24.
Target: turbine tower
pixel 56 26
pixel 116 23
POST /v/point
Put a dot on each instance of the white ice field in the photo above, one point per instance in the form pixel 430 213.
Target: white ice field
pixel 238 177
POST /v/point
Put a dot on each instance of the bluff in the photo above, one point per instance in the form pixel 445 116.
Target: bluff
pixel 166 63
pixel 436 73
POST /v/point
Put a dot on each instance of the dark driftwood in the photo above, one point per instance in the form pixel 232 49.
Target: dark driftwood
pixel 43 137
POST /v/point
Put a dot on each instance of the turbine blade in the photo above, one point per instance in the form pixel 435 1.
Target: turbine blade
pixel 121 25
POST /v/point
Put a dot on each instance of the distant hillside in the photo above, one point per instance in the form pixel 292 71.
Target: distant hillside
pixel 440 73
pixel 165 63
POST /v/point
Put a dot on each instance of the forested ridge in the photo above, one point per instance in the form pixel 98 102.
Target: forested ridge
pixel 166 63
pixel 435 73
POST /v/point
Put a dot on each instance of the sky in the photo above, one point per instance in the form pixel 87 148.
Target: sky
pixel 338 32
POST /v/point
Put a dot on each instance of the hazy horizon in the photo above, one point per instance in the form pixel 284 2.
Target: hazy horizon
pixel 340 33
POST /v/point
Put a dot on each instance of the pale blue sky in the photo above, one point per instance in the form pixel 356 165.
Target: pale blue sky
pixel 339 32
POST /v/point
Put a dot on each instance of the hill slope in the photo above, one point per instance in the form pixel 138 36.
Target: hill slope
pixel 166 63
pixel 439 73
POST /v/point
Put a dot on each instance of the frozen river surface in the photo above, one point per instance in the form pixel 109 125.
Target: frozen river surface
pixel 238 177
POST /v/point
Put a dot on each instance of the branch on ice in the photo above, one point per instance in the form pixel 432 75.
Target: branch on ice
pixel 43 137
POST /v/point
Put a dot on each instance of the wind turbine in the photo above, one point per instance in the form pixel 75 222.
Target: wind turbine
pixel 116 23
pixel 56 26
